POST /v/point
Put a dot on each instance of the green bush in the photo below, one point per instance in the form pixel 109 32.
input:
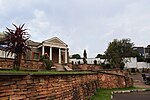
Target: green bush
pixel 95 62
pixel 48 63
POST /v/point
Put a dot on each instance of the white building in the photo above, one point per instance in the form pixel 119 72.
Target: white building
pixel 89 61
pixel 132 63
pixel 129 62
pixel 3 54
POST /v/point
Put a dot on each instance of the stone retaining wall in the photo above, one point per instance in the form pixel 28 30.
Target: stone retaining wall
pixel 58 87
pixel 48 87
pixel 110 80
pixel 25 65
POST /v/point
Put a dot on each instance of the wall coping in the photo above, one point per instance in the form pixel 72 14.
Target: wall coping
pixel 112 74
pixel 44 74
pixel 12 59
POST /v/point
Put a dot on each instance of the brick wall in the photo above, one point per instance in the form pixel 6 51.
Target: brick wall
pixel 25 65
pixel 110 80
pixel 47 87
pixel 58 87
pixel 89 67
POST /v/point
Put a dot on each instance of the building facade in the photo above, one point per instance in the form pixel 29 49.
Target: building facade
pixel 55 48
pixel 143 51
pixel 89 61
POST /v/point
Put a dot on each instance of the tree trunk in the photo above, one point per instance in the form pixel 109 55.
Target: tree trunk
pixel 17 61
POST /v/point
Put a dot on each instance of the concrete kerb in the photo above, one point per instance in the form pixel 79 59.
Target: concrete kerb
pixel 128 91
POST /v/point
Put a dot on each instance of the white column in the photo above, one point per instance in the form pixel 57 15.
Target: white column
pixel 50 54
pixel 66 55
pixel 43 50
pixel 59 56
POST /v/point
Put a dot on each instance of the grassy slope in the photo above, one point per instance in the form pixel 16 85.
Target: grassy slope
pixel 105 94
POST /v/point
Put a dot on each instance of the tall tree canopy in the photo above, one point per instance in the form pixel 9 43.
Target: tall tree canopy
pixel 118 50
pixel 77 56
pixel 16 43
pixel 84 56
pixel 101 56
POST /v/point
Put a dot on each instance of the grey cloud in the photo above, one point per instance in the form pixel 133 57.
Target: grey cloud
pixel 83 24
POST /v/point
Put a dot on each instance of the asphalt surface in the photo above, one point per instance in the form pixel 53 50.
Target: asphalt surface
pixel 133 96
pixel 138 82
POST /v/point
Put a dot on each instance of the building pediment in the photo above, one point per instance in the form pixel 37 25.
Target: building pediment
pixel 55 42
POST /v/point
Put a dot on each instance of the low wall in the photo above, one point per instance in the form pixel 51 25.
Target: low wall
pixel 25 65
pixel 89 67
pixel 58 87
pixel 110 80
pixel 48 87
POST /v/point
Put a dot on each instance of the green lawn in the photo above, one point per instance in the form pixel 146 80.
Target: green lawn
pixel 105 94
pixel 42 72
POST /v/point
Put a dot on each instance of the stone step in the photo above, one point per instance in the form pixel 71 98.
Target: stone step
pixel 59 67
pixel 67 68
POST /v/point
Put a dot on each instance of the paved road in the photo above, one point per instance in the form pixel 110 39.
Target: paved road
pixel 133 96
pixel 138 81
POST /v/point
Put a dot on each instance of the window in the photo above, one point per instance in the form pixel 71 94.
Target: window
pixel 36 55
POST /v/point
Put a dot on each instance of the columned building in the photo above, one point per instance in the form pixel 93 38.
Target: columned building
pixel 56 49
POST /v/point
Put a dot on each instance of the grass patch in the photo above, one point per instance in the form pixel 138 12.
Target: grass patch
pixel 105 94
pixel 43 72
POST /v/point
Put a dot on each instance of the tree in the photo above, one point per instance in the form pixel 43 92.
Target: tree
pixel 118 50
pixel 84 56
pixel 140 58
pixel 100 56
pixel 16 43
pixel 77 56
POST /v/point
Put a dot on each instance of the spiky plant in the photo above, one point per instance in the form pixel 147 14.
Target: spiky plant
pixel 16 43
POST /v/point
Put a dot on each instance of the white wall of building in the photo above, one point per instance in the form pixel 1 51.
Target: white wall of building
pixel 141 65
pixel 130 62
pixel 3 54
pixel 89 60
pixel 134 64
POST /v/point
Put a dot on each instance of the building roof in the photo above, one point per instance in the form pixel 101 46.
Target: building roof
pixel 54 42
pixel 32 43
pixel 2 35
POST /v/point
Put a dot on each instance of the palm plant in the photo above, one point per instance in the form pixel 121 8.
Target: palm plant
pixel 16 43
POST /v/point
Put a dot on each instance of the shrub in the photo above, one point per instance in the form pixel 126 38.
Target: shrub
pixel 72 63
pixel 84 61
pixel 95 62
pixel 78 62
pixel 48 63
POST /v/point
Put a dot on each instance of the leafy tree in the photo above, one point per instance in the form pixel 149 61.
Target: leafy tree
pixel 16 43
pixel 100 56
pixel 77 56
pixel 140 58
pixel 118 50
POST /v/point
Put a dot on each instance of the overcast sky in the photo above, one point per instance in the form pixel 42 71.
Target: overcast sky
pixel 82 24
